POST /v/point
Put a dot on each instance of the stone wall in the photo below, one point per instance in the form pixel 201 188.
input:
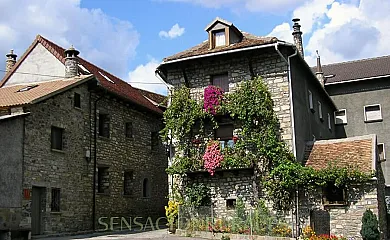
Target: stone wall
pixel 71 172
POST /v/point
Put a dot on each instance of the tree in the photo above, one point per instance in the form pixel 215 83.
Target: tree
pixel 369 229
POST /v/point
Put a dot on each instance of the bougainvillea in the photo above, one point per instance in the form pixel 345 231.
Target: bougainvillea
pixel 212 99
pixel 212 157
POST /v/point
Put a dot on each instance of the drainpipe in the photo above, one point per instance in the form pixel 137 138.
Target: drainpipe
pixel 288 61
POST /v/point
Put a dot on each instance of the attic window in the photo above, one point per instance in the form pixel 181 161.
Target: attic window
pixel 219 38
pixel 27 88
pixel 107 78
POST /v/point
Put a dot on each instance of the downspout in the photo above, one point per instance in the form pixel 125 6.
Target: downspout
pixel 288 61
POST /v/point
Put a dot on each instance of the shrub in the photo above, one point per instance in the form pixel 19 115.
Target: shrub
pixel 369 229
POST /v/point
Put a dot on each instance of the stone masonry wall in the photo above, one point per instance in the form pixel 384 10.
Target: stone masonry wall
pixel 71 172
pixel 266 64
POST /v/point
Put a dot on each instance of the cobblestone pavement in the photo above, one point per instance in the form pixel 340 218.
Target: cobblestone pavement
pixel 158 234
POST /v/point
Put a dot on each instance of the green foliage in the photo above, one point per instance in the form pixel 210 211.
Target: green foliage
pixel 225 237
pixel 369 229
pixel 198 195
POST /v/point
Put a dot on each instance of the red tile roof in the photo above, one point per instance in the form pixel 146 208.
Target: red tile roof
pixel 248 40
pixel 359 152
pixel 119 86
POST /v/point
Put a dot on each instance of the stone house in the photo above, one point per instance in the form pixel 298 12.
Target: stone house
pixel 84 146
pixel 304 108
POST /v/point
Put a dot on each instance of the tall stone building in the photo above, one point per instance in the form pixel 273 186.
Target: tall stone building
pixel 76 150
pixel 304 109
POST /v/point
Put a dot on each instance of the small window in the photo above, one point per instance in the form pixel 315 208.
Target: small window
pixel 57 138
pixel 128 183
pixel 329 122
pixel 224 133
pixel 219 38
pixel 103 180
pixel 129 129
pixel 311 106
pixel 334 195
pixel 154 140
pixel 104 125
pixel 320 110
pixel 340 116
pixel 230 204
pixel 221 80
pixel 145 188
pixel 55 199
pixel 77 100
pixel 381 152
pixel 372 113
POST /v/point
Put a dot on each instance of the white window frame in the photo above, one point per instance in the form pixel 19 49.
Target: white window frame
pixel 311 105
pixel 329 122
pixel 335 118
pixel 220 38
pixel 384 152
pixel 372 120
pixel 320 110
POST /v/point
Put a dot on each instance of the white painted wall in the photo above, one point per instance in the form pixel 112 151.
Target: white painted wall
pixel 39 61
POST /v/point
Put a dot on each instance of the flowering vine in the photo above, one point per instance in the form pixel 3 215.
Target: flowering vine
pixel 212 157
pixel 212 99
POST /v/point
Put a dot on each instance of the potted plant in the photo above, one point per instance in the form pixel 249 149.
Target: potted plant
pixel 171 212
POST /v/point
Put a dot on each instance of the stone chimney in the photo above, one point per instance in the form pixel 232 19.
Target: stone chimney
pixel 319 72
pixel 71 62
pixel 11 60
pixel 298 36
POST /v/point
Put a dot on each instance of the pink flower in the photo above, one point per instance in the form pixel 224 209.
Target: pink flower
pixel 212 157
pixel 212 99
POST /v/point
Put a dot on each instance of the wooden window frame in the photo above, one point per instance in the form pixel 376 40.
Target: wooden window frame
pixel 327 202
pixel 55 205
pixel 104 125
pixel 53 135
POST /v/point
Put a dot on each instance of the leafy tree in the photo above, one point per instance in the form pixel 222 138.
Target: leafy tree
pixel 369 229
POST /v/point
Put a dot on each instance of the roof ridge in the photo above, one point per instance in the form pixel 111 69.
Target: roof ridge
pixel 357 60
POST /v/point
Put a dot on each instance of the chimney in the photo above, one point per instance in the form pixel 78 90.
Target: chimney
pixel 71 62
pixel 319 72
pixel 11 60
pixel 298 35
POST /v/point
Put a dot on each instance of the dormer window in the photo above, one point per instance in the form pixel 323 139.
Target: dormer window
pixel 219 38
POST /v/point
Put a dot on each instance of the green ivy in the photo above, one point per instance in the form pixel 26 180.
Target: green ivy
pixel 198 195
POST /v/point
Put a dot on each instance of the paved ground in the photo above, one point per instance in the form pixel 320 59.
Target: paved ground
pixel 158 234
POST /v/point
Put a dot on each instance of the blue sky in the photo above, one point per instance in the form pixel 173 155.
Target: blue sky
pixel 129 38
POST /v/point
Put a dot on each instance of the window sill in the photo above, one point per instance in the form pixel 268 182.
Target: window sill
pixel 78 108
pixel 103 194
pixel 58 151
pixel 374 120
pixel 56 213
pixel 335 204
pixel 103 138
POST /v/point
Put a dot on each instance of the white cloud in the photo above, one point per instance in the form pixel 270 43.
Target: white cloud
pixel 247 5
pixel 143 77
pixel 342 30
pixel 174 32
pixel 282 32
pixel 106 41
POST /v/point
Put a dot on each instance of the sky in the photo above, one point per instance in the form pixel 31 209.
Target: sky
pixel 129 38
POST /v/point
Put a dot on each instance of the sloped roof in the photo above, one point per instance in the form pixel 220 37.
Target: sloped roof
pixel 116 85
pixel 15 96
pixel 357 70
pixel 357 152
pixel 156 98
pixel 248 40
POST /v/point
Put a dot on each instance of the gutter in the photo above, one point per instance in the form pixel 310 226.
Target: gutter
pixel 357 80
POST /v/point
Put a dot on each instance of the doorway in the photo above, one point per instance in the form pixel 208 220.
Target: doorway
pixel 37 209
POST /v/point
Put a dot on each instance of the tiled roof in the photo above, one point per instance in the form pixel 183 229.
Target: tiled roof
pixel 358 152
pixel 116 85
pixel 360 69
pixel 248 40
pixel 157 98
pixel 15 96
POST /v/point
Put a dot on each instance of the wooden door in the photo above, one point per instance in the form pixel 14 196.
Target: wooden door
pixel 37 210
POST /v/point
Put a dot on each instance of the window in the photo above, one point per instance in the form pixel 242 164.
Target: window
pixel 129 129
pixel 128 183
pixel 224 133
pixel 372 113
pixel 56 138
pixel 310 100
pixel 320 110
pixel 219 38
pixel 104 125
pixel 329 122
pixel 340 116
pixel 230 204
pixel 146 188
pixel 221 80
pixel 381 152
pixel 154 140
pixel 103 180
pixel 334 195
pixel 77 100
pixel 55 200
